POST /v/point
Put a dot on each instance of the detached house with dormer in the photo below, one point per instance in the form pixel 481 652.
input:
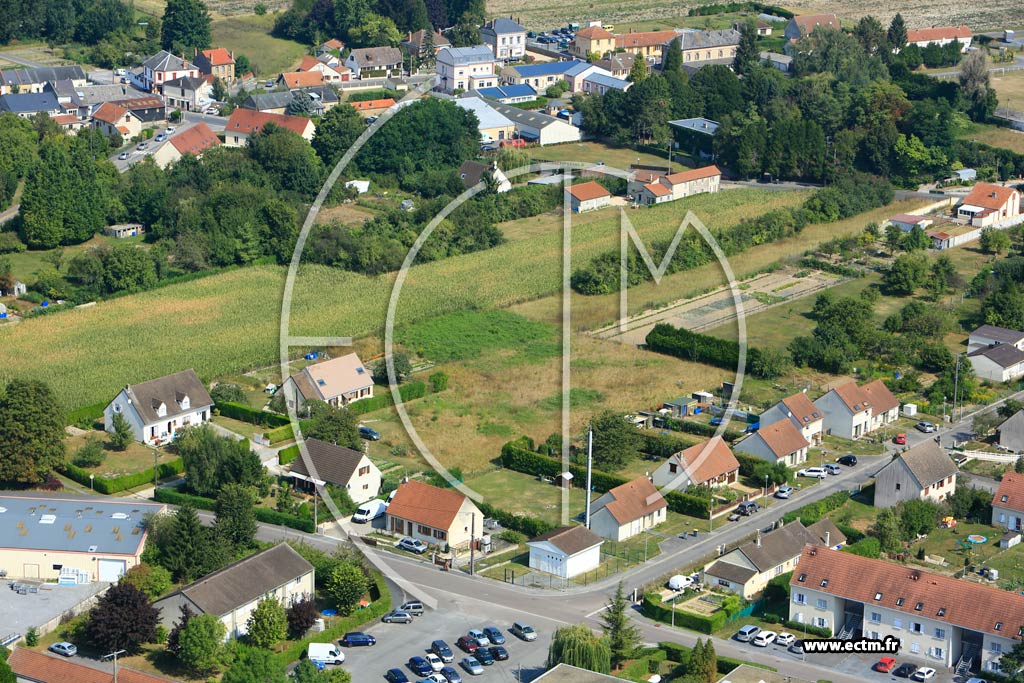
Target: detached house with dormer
pixel 375 62
pixel 433 515
pixel 157 409
pixel 337 382
pixel 710 463
pixel 1008 503
pixel 799 410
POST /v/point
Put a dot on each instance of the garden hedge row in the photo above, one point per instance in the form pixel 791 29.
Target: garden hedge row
pixel 680 653
pixel 528 526
pixel 654 609
pixel 112 485
pixel 281 434
pixel 700 429
pixel 661 445
pixel 263 418
pixel 85 416
pixel 265 515
pixel 382 399
pixel 287 455
pixel 812 512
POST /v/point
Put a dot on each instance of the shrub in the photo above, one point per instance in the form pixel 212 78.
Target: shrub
pixel 238 411
pixel 127 481
pixel 654 609
pixel 91 454
pixel 265 515
pixel 438 381
pixel 513 537
pixel 287 455
pixel 527 526
pixel 276 436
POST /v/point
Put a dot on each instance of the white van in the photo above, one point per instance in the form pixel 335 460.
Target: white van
pixel 325 653
pixel 369 511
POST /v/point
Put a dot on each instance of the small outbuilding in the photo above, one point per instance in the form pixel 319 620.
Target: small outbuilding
pixel 566 552
pixel 588 196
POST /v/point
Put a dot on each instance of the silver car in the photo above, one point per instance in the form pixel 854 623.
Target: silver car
pixel 65 648
pixel 472 666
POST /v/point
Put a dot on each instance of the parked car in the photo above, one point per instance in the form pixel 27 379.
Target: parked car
pixel 160 137
pixel 524 631
pixel 785 639
pixel 818 472
pixel 905 670
pixel 885 665
pixel 498 652
pixel 420 666
pixel 797 647
pixel 169 129
pixel 484 656
pixel 434 661
pixel 142 145
pixel 368 433
pixel 64 648
pixel 467 644
pixel 369 511
pixel 784 492
pixel 747 633
pixel 396 616
pixel 481 638
pixel 926 427
pixel 679 582
pixel 413 545
pixel 396 676
pixel 516 142
pixel 269 84
pixel 764 638
pixel 451 674
pixel 492 147
pixel 436 677
pixel 413 607
pixel 472 666
pixel 358 639
pixel 441 649
pixel 925 673
pixel 833 468
pixel 900 439
pixel 748 507
pixel 494 635
pixel 849 460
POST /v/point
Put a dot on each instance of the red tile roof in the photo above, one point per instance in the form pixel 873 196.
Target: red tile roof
pixel 595 33
pixel 937 33
pixel 250 121
pixel 334 44
pixel 109 112
pixel 1011 488
pixel 808 22
pixel 879 396
pixel 693 174
pixel 195 140
pixel 853 397
pixel 302 79
pixel 989 196
pixel 218 56
pixel 643 38
pixel 633 500
pixel 802 409
pixel 657 189
pixel 43 668
pixel 589 190
pixel 364 105
pixel 308 62
pixel 707 460
pixel 942 598
pixel 782 437
pixel 425 504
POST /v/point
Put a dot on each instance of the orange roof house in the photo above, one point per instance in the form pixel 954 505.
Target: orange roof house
pixel 939 34
pixel 439 516
pixel 373 107
pixel 246 122
pixel 301 79
pixel 627 510
pixel 710 463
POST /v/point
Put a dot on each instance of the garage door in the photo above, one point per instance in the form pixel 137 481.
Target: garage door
pixel 112 570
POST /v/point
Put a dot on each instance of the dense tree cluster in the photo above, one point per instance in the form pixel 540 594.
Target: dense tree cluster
pixel 181 544
pixel 32 431
pixel 19 150
pixel 61 21
pixel 212 461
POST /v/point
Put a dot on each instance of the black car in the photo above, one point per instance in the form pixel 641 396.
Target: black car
pixel 484 656
pixel 499 653
pixel 441 649
pixel 849 460
pixel 396 676
pixel 369 433
pixel 420 666
pixel 904 670
pixel 747 507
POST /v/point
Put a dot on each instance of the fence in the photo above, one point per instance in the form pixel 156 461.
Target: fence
pixel 1005 458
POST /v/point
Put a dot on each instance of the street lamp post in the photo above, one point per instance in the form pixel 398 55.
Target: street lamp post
pixel 114 655
pixel 766 490
pixel 91 477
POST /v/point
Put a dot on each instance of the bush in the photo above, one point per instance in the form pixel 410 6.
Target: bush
pixel 528 526
pixel 276 436
pixel 513 537
pixel 287 455
pixel 237 411
pixel 91 454
pixel 265 515
pixel 382 399
pixel 438 381
pixel 809 514
pixel 127 481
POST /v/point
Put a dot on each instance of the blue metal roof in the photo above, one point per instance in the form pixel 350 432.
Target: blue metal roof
pixel 578 68
pixel 546 68
pixel 507 91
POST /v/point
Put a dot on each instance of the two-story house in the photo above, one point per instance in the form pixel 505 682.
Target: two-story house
pixel 216 62
pixel 163 67
pixel 799 410
pixel 505 38
pixel 538 76
pixel 336 465
pixel 847 411
pixel 987 204
pixel 941 36
pixel 244 123
pixel 803 25
pixel 592 41
pixel 157 409
pixel 628 510
pixel 433 515
pixel 937 618
pixel 924 472
pixel 417 44
pixel 710 463
pixel 646 44
pixel 885 408
pixel 996 353
pixel 375 62
pixel 465 68
pixel 780 441
pixel 1008 503
pixel 338 382
pixel 705 47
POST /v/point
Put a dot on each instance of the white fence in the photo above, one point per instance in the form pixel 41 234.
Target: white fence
pixel 1005 458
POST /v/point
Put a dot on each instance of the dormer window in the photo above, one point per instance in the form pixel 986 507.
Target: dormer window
pixel 1004 498
pixel 802 578
pixel 878 596
pixel 182 400
pixel 824 583
pixel 999 626
pixel 899 602
pixel 918 606
pixel 160 408
pixel 941 612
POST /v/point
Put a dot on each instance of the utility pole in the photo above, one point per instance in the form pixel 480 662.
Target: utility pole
pixel 316 525
pixel 472 541
pixel 956 385
pixel 114 654
pixel 590 464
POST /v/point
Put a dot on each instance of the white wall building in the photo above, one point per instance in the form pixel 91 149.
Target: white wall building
pixel 465 68
pixel 566 552
pixel 157 409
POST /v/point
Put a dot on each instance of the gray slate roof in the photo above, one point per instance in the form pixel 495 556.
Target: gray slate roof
pixel 29 103
pixel 465 55
pixel 731 572
pixel 147 396
pixel 928 463
pixel 186 82
pixel 788 542
pixel 333 464
pixel 369 57
pixel 570 539
pixel 164 61
pixel 248 579
pixel 501 26
pixel 470 172
pixel 999 334
pixel 95 95
pixel 690 40
pixel 1003 355
pixel 41 75
pixel 533 119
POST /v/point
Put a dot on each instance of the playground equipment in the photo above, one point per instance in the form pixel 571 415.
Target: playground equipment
pixel 948 523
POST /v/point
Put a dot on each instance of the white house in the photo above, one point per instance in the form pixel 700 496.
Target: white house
pixel 472 172
pixel 799 410
pixel 938 619
pixel 628 510
pixel 342 467
pixel 157 409
pixel 465 68
pixel 847 411
pixel 433 515
pixel 538 127
pixel 163 67
pixel 780 441
pixel 505 38
pixel 599 84
pixel 338 382
pixel 941 36
pixel 1011 433
pixel 566 552
pixel 987 204
pixel 907 222
pixel 375 62
pixel 885 408
pixel 996 353
pixel 710 463
pixel 244 123
pixel 232 593
pixel 588 196
pixel 1008 503
pixel 924 472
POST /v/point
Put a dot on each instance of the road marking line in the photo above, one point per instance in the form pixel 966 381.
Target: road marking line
pixel 597 611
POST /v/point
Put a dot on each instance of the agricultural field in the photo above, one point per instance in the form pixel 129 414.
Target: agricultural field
pixel 1009 86
pixel 250 35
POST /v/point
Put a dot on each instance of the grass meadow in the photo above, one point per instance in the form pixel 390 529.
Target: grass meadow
pixel 250 35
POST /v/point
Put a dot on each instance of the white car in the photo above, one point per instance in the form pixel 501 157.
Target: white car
pixel 818 472
pixel 434 661
pixel 481 639
pixel 764 638
pixel 785 639
pixel 680 582
pixel 925 673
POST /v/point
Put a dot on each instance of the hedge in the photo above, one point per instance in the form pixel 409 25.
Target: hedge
pixel 237 411
pixel 700 429
pixel 661 445
pixel 276 436
pixel 86 415
pixel 173 496
pixel 265 515
pixel 408 391
pixel 287 455
pixel 653 609
pixel 112 485
pixel 812 512
pixel 810 630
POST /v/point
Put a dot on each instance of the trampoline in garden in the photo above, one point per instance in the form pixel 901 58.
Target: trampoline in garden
pixel 329 612
pixel 977 539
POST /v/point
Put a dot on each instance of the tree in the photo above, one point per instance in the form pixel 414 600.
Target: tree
pixel 984 423
pixel 1009 408
pixel 201 644
pixel 335 133
pixel 896 36
pixel 907 273
pixel 374 30
pixel 306 672
pixel 122 436
pixel 870 34
pixel 6 675
pixel 623 636
pixel 747 55
pixel 638 72
pixel 151 579
pixel 403 368
pixel 1018 466
pixel 212 461
pixel 994 241
pixel 236 515
pixel 301 105
pixel 333 425
pixel 254 665
pixel 123 619
pixel 174 637
pixel 91 454
pixel 267 624
pixel 917 517
pixel 1013 661
pixel 226 392
pixel 288 159
pixel 975 86
pixel 185 23
pixel 769 363
pixel 301 614
pixel 916 239
pixel 703 664
pixel 893 237
pixel 578 646
pixel 185 547
pixel 31 430
pixel 616 441
pixel 887 530
pixel 346 585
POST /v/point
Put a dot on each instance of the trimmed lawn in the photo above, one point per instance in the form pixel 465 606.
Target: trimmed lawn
pixel 135 458
pixel 524 494
pixel 597 152
pixel 238 427
pixel 1010 88
pixel 250 35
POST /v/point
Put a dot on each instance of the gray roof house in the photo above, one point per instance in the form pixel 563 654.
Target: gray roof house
pixel 27 105
pixel 324 98
pixel 1011 432
pixel 924 472
pixel 505 38
pixel 33 80
pixel 232 593
pixel 538 127
pixel 375 62
pixel 158 408
pixel 339 466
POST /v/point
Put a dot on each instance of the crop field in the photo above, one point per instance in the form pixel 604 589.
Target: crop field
pixel 250 35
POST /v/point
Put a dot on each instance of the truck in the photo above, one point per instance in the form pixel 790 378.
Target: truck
pixel 324 653
pixel 369 511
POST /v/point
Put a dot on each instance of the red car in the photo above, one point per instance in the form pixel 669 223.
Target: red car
pixel 468 644
pixel 517 142
pixel 885 665
pixel 900 439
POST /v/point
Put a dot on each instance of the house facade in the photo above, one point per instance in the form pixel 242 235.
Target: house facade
pixel 27 105
pixel 628 510
pixel 342 467
pixel 338 382
pixel 648 45
pixel 232 593
pixel 803 25
pixel 705 46
pixel 375 62
pixel 847 411
pixel 244 123
pixel 194 140
pixel 216 62
pixel 780 441
pixel 538 127
pixel 466 68
pixel 35 80
pixel 505 38
pixel 593 40
pixel 1011 433
pixel 157 409
pixel 941 36
pixel 588 196
pixel 799 410
pixel 987 204
pixel 329 73
pixel 1008 503
pixel 163 67
pixel 599 84
pixel 539 76
pixel 885 408
pixel 433 515
pixel 111 118
pixel 566 552
pixel 187 93
pixel 924 472
pixel 935 617
pixel 709 463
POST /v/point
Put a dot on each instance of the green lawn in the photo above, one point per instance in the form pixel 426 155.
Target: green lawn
pixel 250 35
pixel 597 152
pixel 524 494
pixel 135 458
